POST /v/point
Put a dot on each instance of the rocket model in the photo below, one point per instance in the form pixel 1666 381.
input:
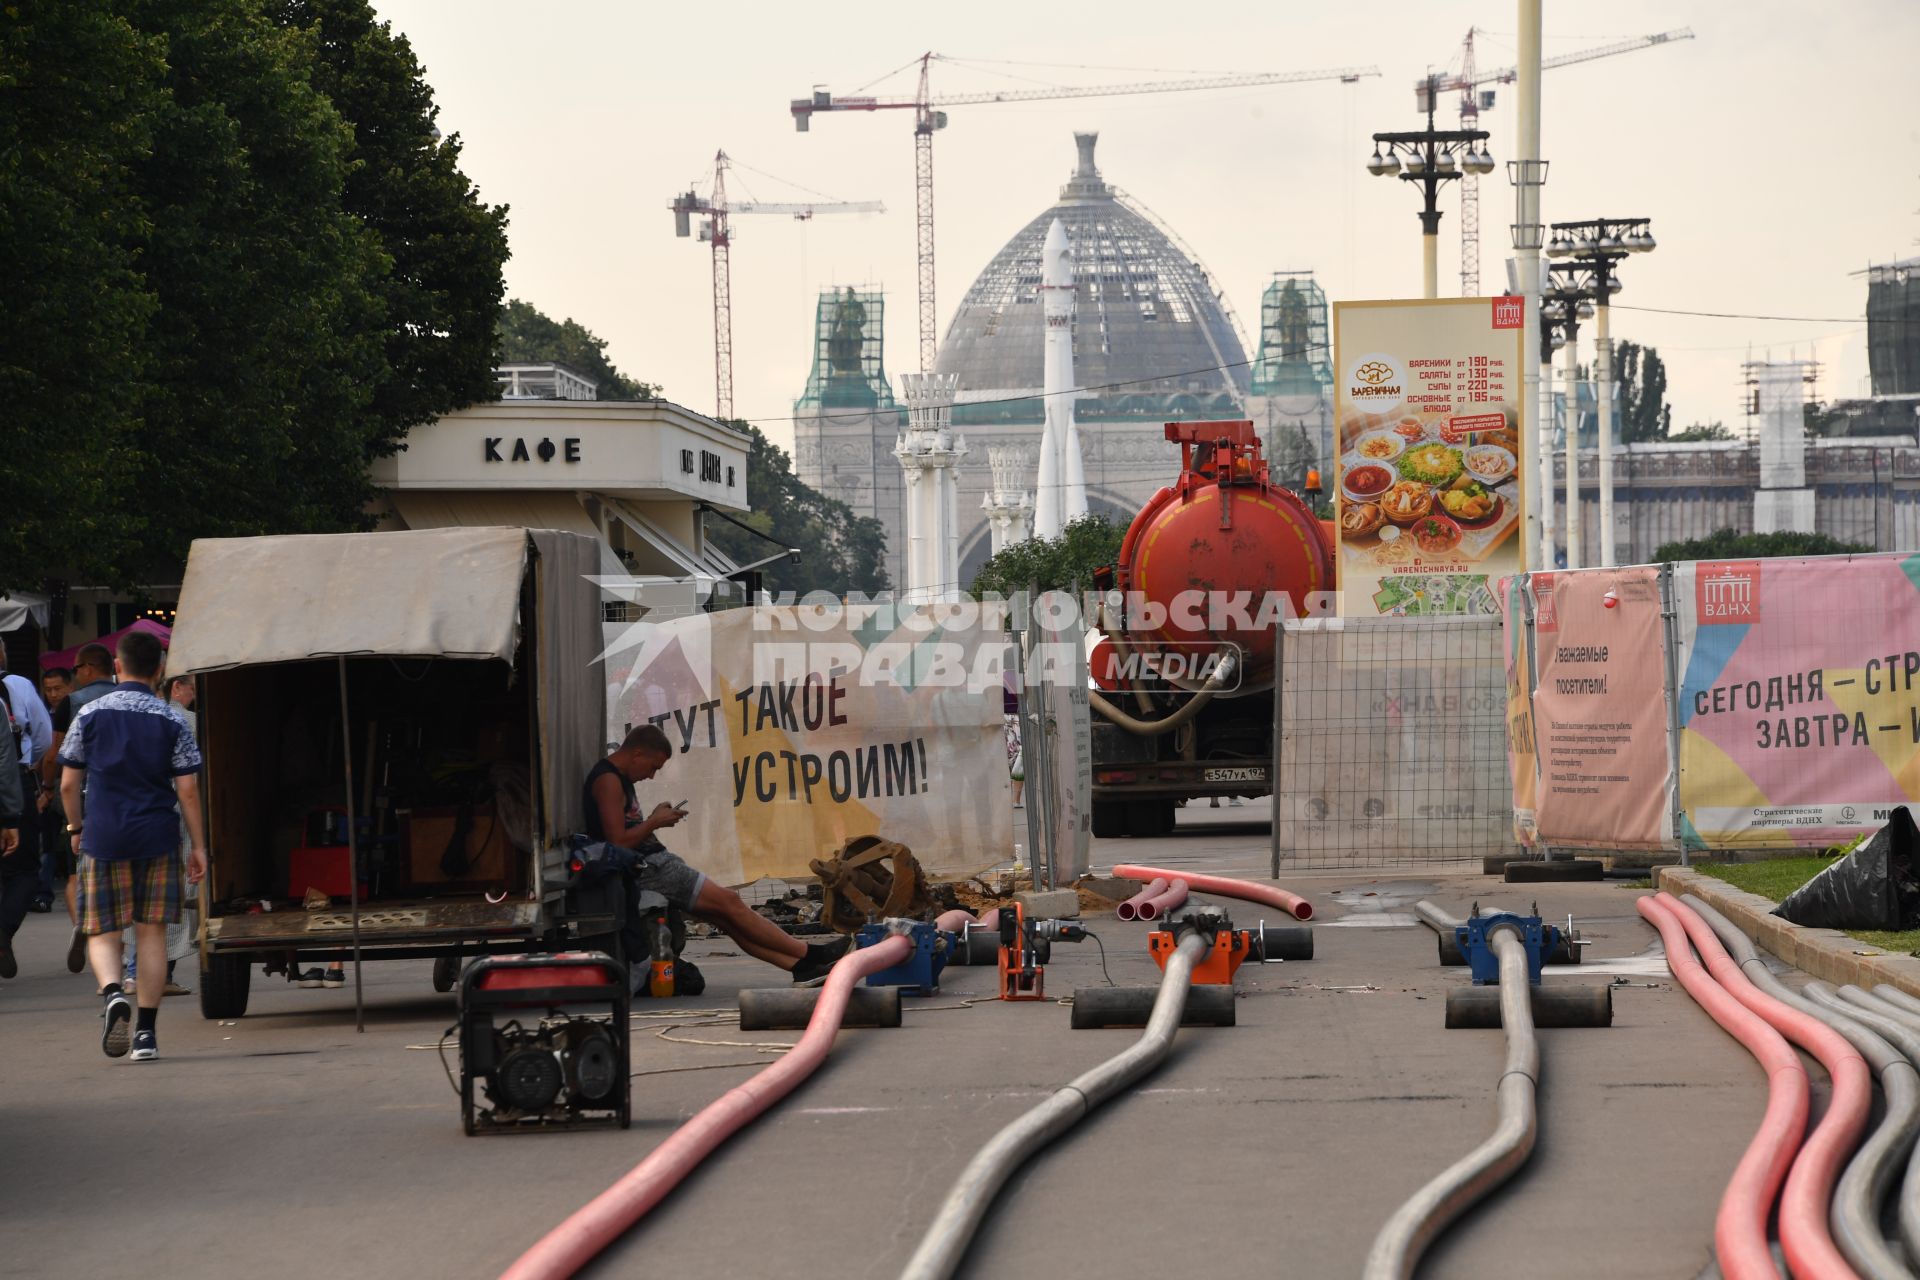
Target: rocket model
pixel 1062 495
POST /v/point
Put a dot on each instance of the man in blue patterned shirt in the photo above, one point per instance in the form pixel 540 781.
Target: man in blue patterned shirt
pixel 125 761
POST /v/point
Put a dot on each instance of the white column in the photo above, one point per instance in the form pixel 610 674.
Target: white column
pixel 929 453
pixel 1541 392
pixel 1572 374
pixel 1430 264
pixel 1529 174
pixel 1603 371
pixel 1008 504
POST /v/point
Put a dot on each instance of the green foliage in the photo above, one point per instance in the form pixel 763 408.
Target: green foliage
pixel 78 92
pixel 1053 564
pixel 225 291
pixel 840 552
pixel 403 183
pixel 1644 412
pixel 1700 432
pixel 1728 545
pixel 528 336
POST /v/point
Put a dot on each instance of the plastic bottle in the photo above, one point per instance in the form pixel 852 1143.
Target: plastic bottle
pixel 660 978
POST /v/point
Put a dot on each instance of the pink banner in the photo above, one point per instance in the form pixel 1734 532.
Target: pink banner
pixel 1600 710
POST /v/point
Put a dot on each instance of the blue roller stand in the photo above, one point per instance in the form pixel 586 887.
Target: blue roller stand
pixel 919 973
pixel 1538 939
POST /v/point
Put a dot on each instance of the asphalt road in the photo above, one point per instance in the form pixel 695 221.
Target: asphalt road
pixel 287 1144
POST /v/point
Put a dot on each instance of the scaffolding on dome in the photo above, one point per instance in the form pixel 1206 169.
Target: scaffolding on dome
pixel 1893 328
pixel 1295 351
pixel 849 342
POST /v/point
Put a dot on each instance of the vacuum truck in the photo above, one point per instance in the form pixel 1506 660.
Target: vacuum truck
pixel 1190 623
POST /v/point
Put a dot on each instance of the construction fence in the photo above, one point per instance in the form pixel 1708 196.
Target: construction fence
pixel 1391 742
pixel 1713 705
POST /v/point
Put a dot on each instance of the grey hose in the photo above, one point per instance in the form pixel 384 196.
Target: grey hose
pixel 1869 1177
pixel 1415 1224
pixel 1436 919
pixel 1229 664
pixel 1907 1040
pixel 946 1241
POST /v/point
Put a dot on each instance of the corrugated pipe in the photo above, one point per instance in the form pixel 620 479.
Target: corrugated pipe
pixel 1740 1225
pixel 1414 1225
pixel 575 1242
pixel 1896 1022
pixel 1222 674
pixel 1872 1174
pixel 1130 909
pixel 946 1241
pixel 1171 898
pixel 1221 887
pixel 1807 1198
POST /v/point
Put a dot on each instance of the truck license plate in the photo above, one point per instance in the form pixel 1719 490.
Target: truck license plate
pixel 1252 773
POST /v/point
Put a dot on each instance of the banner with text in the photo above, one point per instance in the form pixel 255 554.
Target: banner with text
pixel 1799 699
pixel 797 727
pixel 1427 414
pixel 1600 709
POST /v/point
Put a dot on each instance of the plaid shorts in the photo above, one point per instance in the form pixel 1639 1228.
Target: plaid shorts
pixel 116 893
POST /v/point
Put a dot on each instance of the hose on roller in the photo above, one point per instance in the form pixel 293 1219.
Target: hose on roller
pixel 1879 1011
pixel 1870 1177
pixel 1740 1225
pixel 1228 667
pixel 1222 887
pixel 1806 1199
pixel 946 1241
pixel 575 1242
pixel 1414 1225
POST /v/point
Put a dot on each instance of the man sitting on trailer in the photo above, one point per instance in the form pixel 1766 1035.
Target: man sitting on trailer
pixel 613 815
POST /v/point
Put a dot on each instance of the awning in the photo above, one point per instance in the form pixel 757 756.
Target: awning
pixel 435 593
pixel 65 657
pixel 522 508
pixel 22 607
pixel 681 558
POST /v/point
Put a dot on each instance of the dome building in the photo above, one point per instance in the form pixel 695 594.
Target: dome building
pixel 1153 342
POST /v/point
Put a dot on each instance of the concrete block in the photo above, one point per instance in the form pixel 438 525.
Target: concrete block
pixel 1049 904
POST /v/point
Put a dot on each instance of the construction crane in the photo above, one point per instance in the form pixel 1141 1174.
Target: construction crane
pixel 1474 100
pixel 928 117
pixel 715 212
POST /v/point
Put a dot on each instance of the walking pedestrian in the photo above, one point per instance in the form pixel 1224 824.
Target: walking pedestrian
pixel 92 677
pixel 33 736
pixel 177 690
pixel 56 858
pixel 18 876
pixel 127 760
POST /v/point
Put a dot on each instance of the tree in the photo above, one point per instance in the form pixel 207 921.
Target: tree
pixel 78 90
pixel 1728 545
pixel 840 552
pixel 446 247
pixel 1644 413
pixel 528 336
pixel 1699 432
pixel 1053 564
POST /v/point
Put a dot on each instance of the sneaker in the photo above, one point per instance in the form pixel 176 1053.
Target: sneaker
pixel 118 1020
pixel 813 967
pixel 41 906
pixel 175 989
pixel 312 978
pixel 146 1046
pixel 77 951
pixel 9 967
pixel 334 978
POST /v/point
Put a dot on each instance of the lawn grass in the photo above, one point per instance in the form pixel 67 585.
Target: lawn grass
pixel 1775 878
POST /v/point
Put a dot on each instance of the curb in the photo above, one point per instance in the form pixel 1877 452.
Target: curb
pixel 1826 954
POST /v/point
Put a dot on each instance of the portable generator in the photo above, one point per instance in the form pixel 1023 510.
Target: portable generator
pixel 545 1039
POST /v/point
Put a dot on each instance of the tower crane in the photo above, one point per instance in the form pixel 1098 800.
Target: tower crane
pixel 1474 100
pixel 928 117
pixel 714 210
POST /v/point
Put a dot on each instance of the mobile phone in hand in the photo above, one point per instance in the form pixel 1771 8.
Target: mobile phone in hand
pixel 681 805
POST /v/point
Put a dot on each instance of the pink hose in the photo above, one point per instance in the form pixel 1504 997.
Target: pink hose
pixel 576 1242
pixel 1220 886
pixel 954 921
pixel 1166 900
pixel 1130 909
pixel 1740 1226
pixel 1805 1204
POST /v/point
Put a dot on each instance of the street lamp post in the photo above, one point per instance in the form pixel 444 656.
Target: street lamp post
pixel 1429 158
pixel 1590 252
pixel 1567 307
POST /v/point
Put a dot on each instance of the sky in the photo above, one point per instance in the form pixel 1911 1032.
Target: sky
pixel 1776 153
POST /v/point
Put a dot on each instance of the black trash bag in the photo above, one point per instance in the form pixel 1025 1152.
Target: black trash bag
pixel 1871 888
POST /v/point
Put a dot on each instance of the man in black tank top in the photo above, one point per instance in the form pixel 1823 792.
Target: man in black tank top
pixel 612 814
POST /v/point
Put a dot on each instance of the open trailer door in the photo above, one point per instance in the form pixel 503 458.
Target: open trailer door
pixel 396 723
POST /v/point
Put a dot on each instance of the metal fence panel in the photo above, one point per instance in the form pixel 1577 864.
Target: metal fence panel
pixel 1391 742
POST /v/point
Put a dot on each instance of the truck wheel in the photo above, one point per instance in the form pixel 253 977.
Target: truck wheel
pixel 1150 818
pixel 224 983
pixel 446 972
pixel 1110 819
